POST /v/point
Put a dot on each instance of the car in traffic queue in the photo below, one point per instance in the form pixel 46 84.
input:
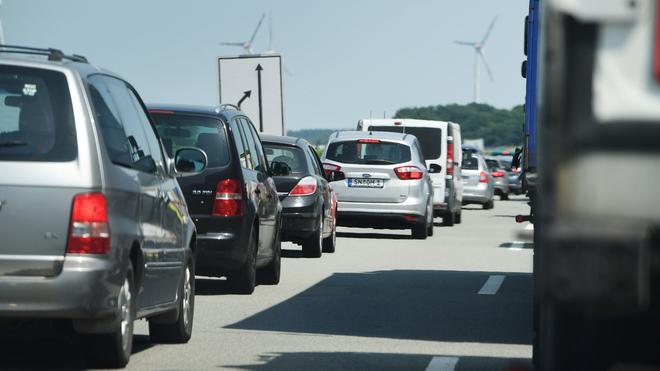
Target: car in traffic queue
pixel 309 204
pixel 381 181
pixel 95 229
pixel 478 184
pixel 233 202
pixel 500 177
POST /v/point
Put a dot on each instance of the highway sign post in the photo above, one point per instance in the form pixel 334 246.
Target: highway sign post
pixel 254 83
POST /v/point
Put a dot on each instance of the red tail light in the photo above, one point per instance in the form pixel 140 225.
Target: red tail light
pixel 329 168
pixel 88 230
pixel 483 177
pixel 408 172
pixel 305 187
pixel 497 174
pixel 368 141
pixel 161 111
pixel 228 198
pixel 450 158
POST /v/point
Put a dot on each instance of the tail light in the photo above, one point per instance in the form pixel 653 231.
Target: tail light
pixel 450 158
pixel 368 141
pixel 228 198
pixel 483 177
pixel 329 168
pixel 305 187
pixel 515 170
pixel 88 231
pixel 497 174
pixel 408 172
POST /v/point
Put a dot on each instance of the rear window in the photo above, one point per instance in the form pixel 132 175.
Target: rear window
pixel 470 161
pixel 493 164
pixel 429 138
pixel 36 116
pixel 377 153
pixel 293 157
pixel 206 133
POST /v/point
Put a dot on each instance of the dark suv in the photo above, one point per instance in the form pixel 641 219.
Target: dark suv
pixel 94 228
pixel 234 201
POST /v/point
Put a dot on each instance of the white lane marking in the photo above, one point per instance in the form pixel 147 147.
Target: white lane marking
pixel 492 284
pixel 442 364
pixel 516 246
pixel 529 227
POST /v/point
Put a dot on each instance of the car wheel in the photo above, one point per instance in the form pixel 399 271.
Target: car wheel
pixel 113 350
pixel 313 246
pixel 270 274
pixel 180 330
pixel 245 279
pixel 458 217
pixel 488 205
pixel 448 220
pixel 419 231
pixel 330 242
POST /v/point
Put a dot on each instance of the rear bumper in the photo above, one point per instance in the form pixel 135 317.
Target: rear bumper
pixel 86 288
pixel 300 217
pixel 479 194
pixel 378 220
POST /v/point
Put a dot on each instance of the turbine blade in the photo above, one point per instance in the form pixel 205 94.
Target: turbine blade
pixel 254 34
pixel 483 59
pixel 270 30
pixel 468 43
pixel 232 44
pixel 490 28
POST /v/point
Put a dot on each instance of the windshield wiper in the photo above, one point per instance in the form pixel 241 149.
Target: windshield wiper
pixel 13 143
pixel 378 162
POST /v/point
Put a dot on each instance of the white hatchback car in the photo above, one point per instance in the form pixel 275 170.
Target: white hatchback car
pixel 381 181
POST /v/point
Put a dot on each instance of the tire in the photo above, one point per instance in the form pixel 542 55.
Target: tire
pixel 113 350
pixel 504 196
pixel 419 230
pixel 429 229
pixel 244 280
pixel 313 246
pixel 458 217
pixel 448 220
pixel 488 205
pixel 330 242
pixel 179 331
pixel 270 274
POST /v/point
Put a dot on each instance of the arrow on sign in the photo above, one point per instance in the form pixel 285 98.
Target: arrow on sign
pixel 261 115
pixel 246 95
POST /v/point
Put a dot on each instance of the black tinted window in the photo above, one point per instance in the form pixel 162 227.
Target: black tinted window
pixel 470 161
pixel 109 123
pixel 371 152
pixel 429 138
pixel 292 157
pixel 36 116
pixel 241 144
pixel 206 133
pixel 259 157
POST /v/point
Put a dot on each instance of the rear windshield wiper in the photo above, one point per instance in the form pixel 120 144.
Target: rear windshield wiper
pixel 13 143
pixel 378 162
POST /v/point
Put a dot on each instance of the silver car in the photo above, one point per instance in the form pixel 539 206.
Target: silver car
pixel 380 180
pixel 500 177
pixel 478 185
pixel 93 225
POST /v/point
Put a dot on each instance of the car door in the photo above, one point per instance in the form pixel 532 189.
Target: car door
pixel 267 196
pixel 326 190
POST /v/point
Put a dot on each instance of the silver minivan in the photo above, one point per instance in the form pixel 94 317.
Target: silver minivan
pixel 93 225
pixel 380 180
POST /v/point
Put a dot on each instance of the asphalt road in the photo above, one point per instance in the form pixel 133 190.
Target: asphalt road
pixel 460 300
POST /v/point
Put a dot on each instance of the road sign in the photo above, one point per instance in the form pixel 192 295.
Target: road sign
pixel 254 82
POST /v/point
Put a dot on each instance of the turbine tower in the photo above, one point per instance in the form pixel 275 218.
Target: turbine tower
pixel 2 33
pixel 247 45
pixel 479 56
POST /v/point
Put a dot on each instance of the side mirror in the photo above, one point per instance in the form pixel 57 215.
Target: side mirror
pixel 189 161
pixel 435 168
pixel 334 176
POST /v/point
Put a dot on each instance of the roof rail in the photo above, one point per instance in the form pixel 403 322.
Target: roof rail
pixel 53 54
pixel 226 106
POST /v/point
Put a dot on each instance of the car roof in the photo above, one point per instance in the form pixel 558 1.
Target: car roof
pixel 294 141
pixel 386 135
pixel 83 69
pixel 405 122
pixel 220 110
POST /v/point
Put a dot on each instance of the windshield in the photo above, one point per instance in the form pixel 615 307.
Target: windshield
pixel 205 133
pixel 36 116
pixel 429 138
pixel 377 152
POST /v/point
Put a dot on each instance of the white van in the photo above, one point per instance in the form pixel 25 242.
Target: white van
pixel 441 146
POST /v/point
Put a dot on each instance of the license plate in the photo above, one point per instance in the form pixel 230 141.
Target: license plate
pixel 365 183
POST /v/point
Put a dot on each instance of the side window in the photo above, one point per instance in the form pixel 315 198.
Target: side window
pixel 253 158
pixel 240 143
pixel 260 155
pixel 109 122
pixel 135 135
pixel 316 163
pixel 150 134
pixel 418 151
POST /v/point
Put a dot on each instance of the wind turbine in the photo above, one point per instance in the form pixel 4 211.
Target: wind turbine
pixel 247 45
pixel 2 34
pixel 271 50
pixel 479 56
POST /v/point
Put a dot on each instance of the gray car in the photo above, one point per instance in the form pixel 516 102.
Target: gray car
pixel 478 185
pixel 94 227
pixel 500 177
pixel 380 180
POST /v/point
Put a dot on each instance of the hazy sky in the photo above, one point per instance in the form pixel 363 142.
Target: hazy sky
pixel 347 58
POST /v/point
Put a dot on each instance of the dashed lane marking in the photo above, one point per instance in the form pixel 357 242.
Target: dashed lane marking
pixel 492 284
pixel 442 364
